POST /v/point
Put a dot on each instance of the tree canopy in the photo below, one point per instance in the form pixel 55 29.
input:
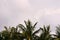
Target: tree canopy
pixel 28 32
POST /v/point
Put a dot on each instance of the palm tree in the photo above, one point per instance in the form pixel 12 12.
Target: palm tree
pixel 28 30
pixel 58 32
pixel 5 34
pixel 1 38
pixel 45 35
pixel 11 34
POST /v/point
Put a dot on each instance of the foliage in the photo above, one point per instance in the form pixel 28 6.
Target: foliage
pixel 45 35
pixel 28 32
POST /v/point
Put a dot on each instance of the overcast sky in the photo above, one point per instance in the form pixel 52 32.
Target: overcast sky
pixel 13 12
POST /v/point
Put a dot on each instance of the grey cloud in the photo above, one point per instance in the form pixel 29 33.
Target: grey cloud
pixel 13 13
pixel 45 3
pixel 52 20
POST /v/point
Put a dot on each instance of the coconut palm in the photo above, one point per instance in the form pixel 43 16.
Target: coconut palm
pixel 28 30
pixel 11 34
pixel 45 35
pixel 1 38
pixel 58 32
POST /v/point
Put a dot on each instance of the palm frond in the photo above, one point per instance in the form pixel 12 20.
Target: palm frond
pixel 48 28
pixel 37 31
pixel 35 25
pixel 21 26
pixel 5 27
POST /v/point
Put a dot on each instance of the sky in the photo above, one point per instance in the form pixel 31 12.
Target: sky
pixel 45 12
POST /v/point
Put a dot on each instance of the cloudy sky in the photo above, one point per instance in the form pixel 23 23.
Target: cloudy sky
pixel 13 12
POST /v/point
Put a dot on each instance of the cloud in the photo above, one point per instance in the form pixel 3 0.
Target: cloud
pixel 51 17
pixel 23 4
pixel 13 12
pixel 45 3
